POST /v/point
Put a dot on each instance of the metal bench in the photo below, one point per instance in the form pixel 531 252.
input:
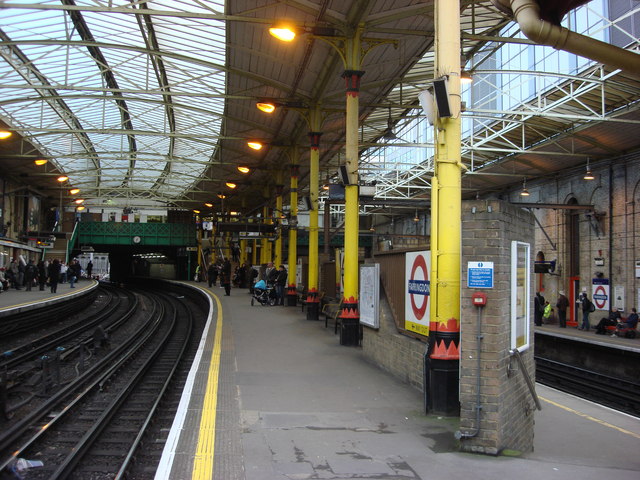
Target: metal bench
pixel 332 310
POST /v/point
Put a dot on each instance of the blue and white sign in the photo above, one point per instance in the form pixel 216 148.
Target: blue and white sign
pixel 480 274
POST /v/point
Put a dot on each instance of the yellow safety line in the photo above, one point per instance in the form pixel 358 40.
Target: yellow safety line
pixel 589 417
pixel 203 461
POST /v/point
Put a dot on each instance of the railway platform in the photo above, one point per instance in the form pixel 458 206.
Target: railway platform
pixel 273 396
pixel 291 403
pixel 629 344
pixel 12 300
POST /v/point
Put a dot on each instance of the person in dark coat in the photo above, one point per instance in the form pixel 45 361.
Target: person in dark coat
pixel 212 274
pixel 281 282
pixel 538 309
pixel 42 275
pixel 610 321
pixel 54 275
pixel 89 269
pixel 562 304
pixel 30 274
pixel 226 277
pixel 73 272
pixel 253 277
pixel 242 276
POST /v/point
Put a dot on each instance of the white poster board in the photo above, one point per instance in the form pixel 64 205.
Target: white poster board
pixel 520 288
pixel 369 300
pixel 618 297
pixel 417 308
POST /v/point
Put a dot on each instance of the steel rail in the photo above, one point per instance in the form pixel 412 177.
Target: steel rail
pixel 89 380
pixel 81 449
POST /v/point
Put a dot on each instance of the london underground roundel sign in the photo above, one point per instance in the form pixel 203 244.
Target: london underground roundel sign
pixel 600 297
pixel 417 267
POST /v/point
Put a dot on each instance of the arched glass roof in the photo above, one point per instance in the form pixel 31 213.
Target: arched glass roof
pixel 128 106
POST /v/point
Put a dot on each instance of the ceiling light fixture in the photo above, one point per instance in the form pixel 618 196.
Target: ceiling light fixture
pixel 62 178
pixel 74 191
pixel 254 145
pixel 4 134
pixel 524 192
pixel 266 107
pixel 222 195
pixel 208 204
pixel 196 211
pixel 79 208
pixel 416 218
pixel 243 169
pixel 79 200
pixel 466 77
pixel 40 161
pixel 282 32
pixel 588 175
pixel 231 185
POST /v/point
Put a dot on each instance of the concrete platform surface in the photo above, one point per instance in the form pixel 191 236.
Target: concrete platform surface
pixel 311 408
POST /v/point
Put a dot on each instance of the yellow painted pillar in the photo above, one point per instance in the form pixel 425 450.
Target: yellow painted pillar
pixel 313 305
pixel 293 231
pixel 338 282
pixel 254 252
pixel 444 357
pixel 265 254
pixel 243 251
pixel 277 254
pixel 350 314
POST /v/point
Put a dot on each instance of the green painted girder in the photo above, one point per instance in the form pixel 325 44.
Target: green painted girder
pixel 138 234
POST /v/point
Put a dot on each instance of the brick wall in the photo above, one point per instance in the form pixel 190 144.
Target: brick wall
pixel 398 354
pixel 507 405
pixel 506 420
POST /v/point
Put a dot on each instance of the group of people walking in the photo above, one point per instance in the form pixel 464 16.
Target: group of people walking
pixel 544 313
pixel 245 276
pixel 220 270
pixel 19 275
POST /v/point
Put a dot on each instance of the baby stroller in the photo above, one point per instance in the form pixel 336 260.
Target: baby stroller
pixel 263 294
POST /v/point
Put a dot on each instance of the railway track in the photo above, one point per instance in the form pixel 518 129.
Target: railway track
pixel 93 427
pixel 613 392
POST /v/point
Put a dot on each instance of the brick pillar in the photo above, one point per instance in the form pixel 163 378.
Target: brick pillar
pixel 505 403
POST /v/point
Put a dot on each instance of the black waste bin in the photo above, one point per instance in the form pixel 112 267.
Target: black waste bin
pixel 349 332
pixel 443 383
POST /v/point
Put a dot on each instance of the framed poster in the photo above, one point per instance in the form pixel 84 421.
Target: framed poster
pixel 369 300
pixel 520 287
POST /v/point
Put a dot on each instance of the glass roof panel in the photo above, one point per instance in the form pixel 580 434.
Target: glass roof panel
pixel 61 92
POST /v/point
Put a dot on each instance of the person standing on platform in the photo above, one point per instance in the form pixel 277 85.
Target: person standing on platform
pixel 21 269
pixel 13 274
pixel 562 304
pixel 42 275
pixel 30 274
pixel 4 283
pixel 212 274
pixel 585 305
pixel 89 269
pixel 538 309
pixel 63 272
pixel 73 272
pixel 54 275
pixel 281 282
pixel 226 277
